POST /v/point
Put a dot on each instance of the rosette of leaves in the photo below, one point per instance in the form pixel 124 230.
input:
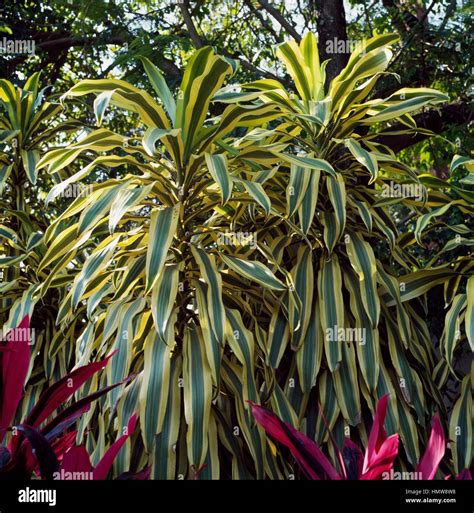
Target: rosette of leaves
pixel 351 267
pixel 29 123
pixel 237 258
pixel 152 283
pixel 454 370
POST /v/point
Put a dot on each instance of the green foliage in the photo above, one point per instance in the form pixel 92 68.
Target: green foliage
pixel 29 123
pixel 248 256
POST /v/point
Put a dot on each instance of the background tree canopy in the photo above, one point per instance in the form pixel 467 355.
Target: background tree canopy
pixel 103 39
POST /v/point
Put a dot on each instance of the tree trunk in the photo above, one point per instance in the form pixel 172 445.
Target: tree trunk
pixel 331 24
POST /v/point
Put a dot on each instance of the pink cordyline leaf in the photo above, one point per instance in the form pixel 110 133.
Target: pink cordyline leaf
pixel 54 396
pixel 14 363
pixel 76 459
pixel 63 420
pixel 304 450
pixel 64 443
pixel 464 475
pixel 429 462
pixel 381 450
pixel 383 460
pixel 103 467
pixel 60 391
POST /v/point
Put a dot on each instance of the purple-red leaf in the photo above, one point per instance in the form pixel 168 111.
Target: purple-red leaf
pixel 381 451
pixel 103 467
pixel 464 475
pixel 429 462
pixel 14 363
pixel 54 396
pixel 143 475
pixel 76 459
pixel 67 417
pixel 306 452
pixel 44 453
pixel 63 444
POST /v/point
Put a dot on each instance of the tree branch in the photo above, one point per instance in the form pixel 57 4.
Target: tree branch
pixel 263 21
pixel 195 37
pixel 64 43
pixel 275 13
pixel 54 46
pixel 436 120
pixel 450 10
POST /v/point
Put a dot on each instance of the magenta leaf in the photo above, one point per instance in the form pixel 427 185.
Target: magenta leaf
pixel 64 443
pixel 14 363
pixel 54 396
pixel 306 452
pixel 381 451
pixel 76 459
pixel 429 462
pixel 383 460
pixel 103 467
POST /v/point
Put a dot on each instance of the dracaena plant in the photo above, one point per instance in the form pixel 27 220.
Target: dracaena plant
pixel 352 268
pixel 454 195
pixel 39 443
pixel 151 284
pixel 29 123
pixel 234 255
